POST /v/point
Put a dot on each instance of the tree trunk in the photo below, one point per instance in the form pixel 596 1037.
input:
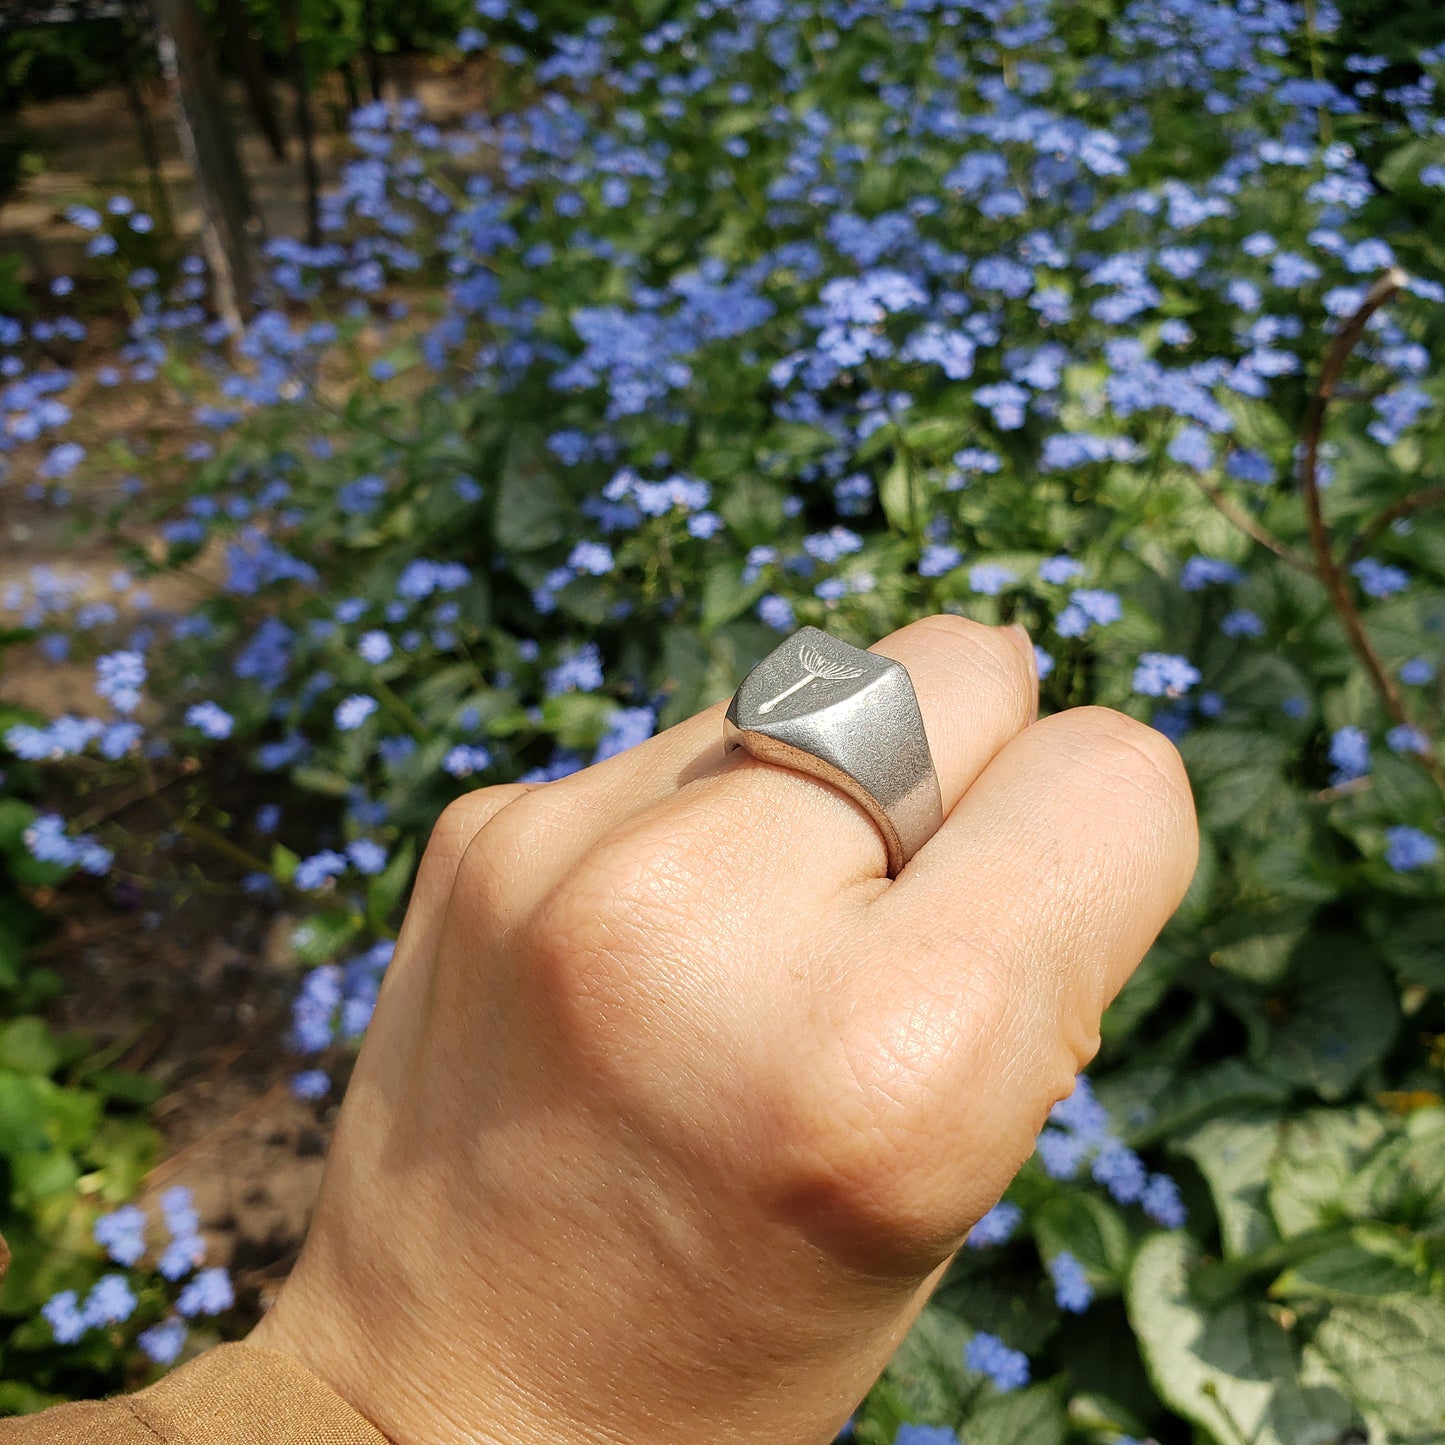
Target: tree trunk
pixel 368 47
pixel 236 28
pixel 305 123
pixel 231 229
pixel 134 81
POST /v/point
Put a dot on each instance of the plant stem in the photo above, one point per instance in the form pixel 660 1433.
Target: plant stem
pixel 1430 497
pixel 1331 574
pixel 1251 528
pixel 395 705
pixel 212 839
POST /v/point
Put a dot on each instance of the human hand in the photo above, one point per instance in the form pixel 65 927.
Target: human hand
pixel 674 1108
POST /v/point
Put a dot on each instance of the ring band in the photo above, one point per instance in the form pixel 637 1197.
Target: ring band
pixel 821 706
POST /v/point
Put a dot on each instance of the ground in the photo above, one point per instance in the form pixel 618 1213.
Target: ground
pixel 187 980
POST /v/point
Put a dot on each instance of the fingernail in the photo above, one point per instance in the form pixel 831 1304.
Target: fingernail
pixel 1018 635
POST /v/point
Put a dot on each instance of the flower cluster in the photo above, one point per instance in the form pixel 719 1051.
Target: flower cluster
pixel 833 312
pixel 113 1298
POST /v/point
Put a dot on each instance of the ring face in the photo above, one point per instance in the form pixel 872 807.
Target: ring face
pixel 850 717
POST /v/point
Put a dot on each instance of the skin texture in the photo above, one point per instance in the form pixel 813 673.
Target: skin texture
pixel 674 1107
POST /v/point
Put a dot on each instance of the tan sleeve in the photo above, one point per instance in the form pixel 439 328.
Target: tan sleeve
pixel 231 1395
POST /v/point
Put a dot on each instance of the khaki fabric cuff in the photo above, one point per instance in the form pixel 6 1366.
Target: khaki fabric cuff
pixel 230 1395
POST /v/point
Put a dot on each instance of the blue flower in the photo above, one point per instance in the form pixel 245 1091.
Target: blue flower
pixel 374 646
pixel 989 578
pixel 111 1301
pixel 776 611
pixel 1199 572
pixel 1120 1170
pixel 162 1343
pixel 925 1435
pixel 1161 1202
pixel 996 1227
pixel 367 856
pixel 1408 739
pixel 1417 671
pixel 1060 1153
pixel 209 1293
pixel 313 872
pixel 1407 849
pixel 121 1233
pixel 352 712
pixel 119 679
pixel 1163 674
pixel 311 1084
pixel 1242 623
pixel 1072 1290
pixel 579 671
pixel 1191 447
pixel 592 558
pixel 938 558
pixel 211 719
pixel 988 1355
pixel 62 1313
pixel 626 728
pixel 465 759
pixel 1059 569
pixel 1350 754
pixel 1380 579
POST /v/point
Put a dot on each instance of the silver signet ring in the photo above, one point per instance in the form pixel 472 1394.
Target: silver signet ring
pixel 850 717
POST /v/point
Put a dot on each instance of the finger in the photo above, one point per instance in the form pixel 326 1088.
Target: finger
pixel 776 838
pixel 453 833
pixel 985 968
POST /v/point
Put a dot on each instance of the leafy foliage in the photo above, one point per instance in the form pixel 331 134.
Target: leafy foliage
pixel 755 316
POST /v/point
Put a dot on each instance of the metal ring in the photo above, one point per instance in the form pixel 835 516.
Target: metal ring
pixel 850 717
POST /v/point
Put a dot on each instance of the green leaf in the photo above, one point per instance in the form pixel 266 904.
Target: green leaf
pixel 1388 1355
pixel 15 818
pixel 752 507
pixel 577 719
pixel 1089 1228
pixel 18 1398
pixel 1234 1154
pixel 383 893
pixel 1371 1262
pixel 898 495
pixel 1257 947
pixel 1318 1154
pixel 321 780
pixel 124 1087
pixel 1343 1015
pixel 927 1372
pixel 725 595
pixel 283 863
pixel 1234 1370
pixel 1035 1415
pixel 28 1047
pixel 1183 1099
pixel 1413 941
pixel 1234 771
pixel 531 508
pixel 321 937
pixel 1404 1180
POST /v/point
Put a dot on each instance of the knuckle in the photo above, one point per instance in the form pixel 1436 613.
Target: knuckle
pixel 1124 748
pixel 463 818
pixel 986 652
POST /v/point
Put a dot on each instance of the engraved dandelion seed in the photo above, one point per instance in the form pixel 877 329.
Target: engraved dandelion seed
pixel 817 667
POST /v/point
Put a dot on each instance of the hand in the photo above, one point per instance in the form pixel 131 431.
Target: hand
pixel 674 1108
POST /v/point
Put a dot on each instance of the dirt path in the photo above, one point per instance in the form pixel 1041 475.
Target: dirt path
pixel 190 980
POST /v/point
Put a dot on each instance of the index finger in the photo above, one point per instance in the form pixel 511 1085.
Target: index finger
pixel 1005 938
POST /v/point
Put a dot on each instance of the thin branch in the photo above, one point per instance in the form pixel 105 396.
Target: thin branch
pixel 1248 525
pixel 1430 497
pixel 1331 574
